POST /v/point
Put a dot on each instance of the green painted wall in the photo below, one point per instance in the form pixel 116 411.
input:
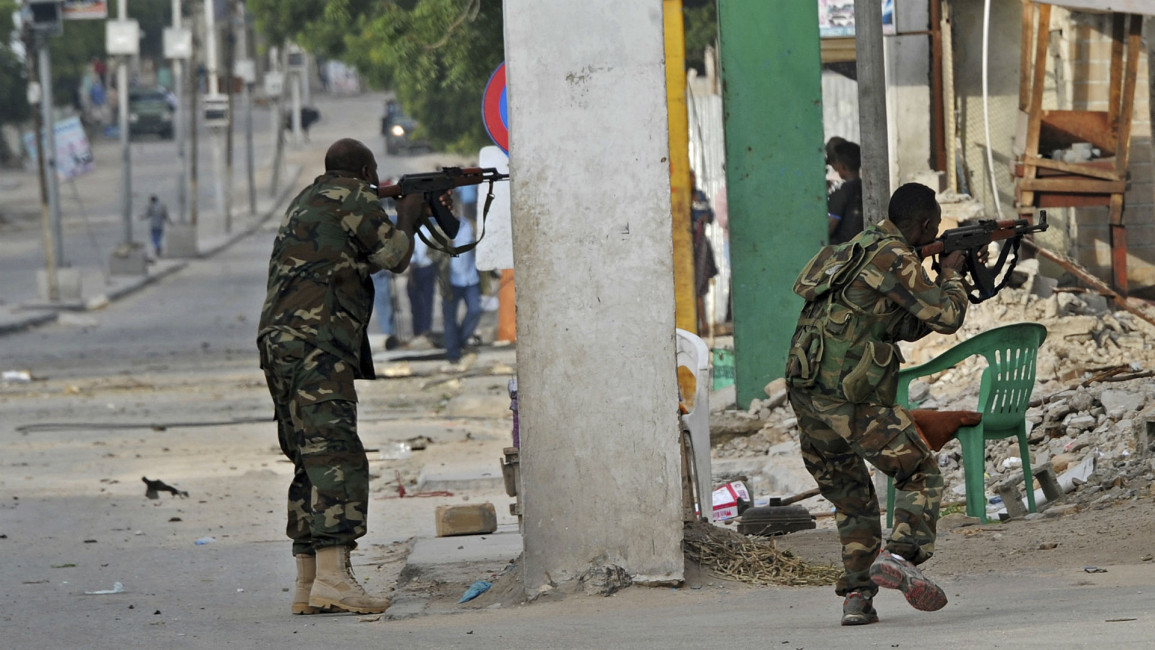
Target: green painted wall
pixel 775 171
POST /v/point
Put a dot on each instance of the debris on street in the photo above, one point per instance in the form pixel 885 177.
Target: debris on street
pixel 755 561
pixel 156 487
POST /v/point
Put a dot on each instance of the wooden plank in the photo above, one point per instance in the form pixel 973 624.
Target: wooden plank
pixel 1062 200
pixel 938 110
pixel 1145 7
pixel 1027 37
pixel 1118 29
pixel 1118 246
pixel 1035 108
pixel 1073 185
pixel 1072 168
pixel 1126 114
pixel 1059 129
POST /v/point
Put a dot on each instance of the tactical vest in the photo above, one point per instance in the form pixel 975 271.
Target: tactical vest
pixel 839 349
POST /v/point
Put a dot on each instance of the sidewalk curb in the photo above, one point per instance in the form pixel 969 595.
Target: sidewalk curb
pixel 42 313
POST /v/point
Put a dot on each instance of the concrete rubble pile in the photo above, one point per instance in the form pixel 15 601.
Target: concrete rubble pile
pixel 1094 400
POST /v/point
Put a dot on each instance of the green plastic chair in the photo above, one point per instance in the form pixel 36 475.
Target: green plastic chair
pixel 1004 395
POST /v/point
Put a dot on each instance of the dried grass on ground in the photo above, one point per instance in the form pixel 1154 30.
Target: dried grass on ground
pixel 753 560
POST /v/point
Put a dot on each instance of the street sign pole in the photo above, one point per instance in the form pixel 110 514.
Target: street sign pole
pixel 48 151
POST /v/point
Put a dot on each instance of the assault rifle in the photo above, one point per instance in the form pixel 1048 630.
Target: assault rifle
pixel 976 236
pixel 434 184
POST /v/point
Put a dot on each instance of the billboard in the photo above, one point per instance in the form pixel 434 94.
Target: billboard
pixel 836 18
pixel 84 10
pixel 73 155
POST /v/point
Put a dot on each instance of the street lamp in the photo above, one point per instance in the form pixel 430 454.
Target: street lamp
pixel 122 40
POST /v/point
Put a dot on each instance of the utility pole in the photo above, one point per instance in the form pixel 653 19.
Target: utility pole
pixel 178 48
pixel 872 110
pixel 296 78
pixel 230 68
pixel 48 151
pixel 247 71
pixel 32 43
pixel 216 106
pixel 275 88
pixel 122 95
pixel 193 178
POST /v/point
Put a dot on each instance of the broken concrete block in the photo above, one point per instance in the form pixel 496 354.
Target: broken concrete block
pixel 776 392
pixel 1045 474
pixel 1012 497
pixel 474 519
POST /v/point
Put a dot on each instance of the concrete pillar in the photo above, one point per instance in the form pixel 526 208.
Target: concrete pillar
pixel 597 390
pixel 772 91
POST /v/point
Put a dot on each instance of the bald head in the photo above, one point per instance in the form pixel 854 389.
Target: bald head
pixel 349 155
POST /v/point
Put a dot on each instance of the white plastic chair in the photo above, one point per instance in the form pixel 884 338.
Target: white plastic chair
pixel 694 389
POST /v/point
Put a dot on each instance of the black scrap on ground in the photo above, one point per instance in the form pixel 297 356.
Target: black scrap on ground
pixel 156 487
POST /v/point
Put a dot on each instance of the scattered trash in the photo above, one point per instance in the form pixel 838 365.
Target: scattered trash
pixel 117 588
pixel 475 590
pixel 17 376
pixel 1119 620
pixel 396 451
pixel 730 500
pixel 1012 462
pixel 204 540
pixel 1046 546
pixel 68 565
pixel 156 487
pixel 1094 569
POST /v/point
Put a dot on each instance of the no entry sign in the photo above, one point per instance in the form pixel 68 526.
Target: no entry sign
pixel 494 112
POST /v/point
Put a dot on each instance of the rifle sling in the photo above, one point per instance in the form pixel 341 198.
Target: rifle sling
pixel 984 277
pixel 447 246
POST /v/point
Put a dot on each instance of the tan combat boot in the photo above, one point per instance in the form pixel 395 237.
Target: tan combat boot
pixel 335 586
pixel 306 571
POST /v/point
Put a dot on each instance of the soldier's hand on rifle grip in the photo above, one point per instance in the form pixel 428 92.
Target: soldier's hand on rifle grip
pixel 956 260
pixel 410 210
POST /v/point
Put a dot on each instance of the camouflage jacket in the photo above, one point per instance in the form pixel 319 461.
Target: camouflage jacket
pixel 861 298
pixel 334 235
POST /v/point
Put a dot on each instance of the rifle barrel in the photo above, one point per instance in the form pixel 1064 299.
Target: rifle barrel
pixel 452 177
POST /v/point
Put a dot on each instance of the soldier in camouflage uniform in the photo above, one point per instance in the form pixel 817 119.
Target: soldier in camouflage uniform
pixel 313 344
pixel 861 298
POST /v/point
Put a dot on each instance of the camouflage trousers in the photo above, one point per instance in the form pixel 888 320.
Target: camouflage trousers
pixel 315 406
pixel 836 438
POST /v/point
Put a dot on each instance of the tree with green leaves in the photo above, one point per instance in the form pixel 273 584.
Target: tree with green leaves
pixel 13 78
pixel 437 55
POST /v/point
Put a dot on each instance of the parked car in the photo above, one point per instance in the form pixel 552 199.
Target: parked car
pixel 150 111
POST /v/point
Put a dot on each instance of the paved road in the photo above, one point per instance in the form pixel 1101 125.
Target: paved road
pixel 163 382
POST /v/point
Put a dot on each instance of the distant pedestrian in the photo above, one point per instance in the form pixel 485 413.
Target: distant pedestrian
pixel 844 205
pixel 421 286
pixel 460 282
pixel 157 215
